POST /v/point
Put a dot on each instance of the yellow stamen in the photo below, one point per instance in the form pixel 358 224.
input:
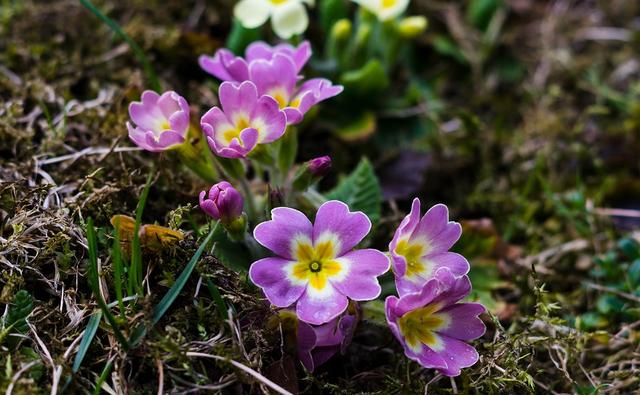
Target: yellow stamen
pixel 413 253
pixel 241 124
pixel 316 263
pixel 419 326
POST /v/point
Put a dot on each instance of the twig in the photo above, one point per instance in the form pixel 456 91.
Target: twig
pixel 613 291
pixel 84 152
pixel 16 376
pixel 553 252
pixel 245 369
pixel 616 212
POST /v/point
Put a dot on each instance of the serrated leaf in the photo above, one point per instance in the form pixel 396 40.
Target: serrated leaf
pixel 360 190
pixel 20 308
pixel 233 254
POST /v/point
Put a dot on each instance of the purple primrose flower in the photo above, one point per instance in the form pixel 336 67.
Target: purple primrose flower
pixel 161 121
pixel 223 203
pixel 318 343
pixel 278 78
pixel 244 121
pixel 225 66
pixel 433 327
pixel 421 245
pixel 316 267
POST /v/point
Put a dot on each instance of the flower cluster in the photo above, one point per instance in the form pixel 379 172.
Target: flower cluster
pixel 316 273
pixel 260 95
pixel 427 318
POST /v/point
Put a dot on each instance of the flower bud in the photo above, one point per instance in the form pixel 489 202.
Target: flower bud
pixel 341 30
pixel 412 26
pixel 224 202
pixel 320 166
pixel 311 172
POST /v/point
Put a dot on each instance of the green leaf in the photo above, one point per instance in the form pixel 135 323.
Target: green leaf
pixel 485 277
pixel 358 127
pixel 480 12
pixel 609 304
pixel 368 82
pixel 445 46
pixel 20 308
pixel 137 51
pixel 591 320
pixel 240 37
pixel 330 12
pixel 234 255
pixel 630 247
pixel 173 292
pixel 87 338
pixel 360 190
pixel 634 272
pixel 288 150
pixel 94 283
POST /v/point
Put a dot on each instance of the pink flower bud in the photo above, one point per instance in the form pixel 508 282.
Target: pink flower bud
pixel 224 202
pixel 320 166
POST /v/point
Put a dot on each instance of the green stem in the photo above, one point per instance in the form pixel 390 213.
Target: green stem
pixel 251 202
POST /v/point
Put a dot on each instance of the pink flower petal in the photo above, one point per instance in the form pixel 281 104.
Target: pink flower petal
pixel 334 218
pixel 285 226
pixel 270 274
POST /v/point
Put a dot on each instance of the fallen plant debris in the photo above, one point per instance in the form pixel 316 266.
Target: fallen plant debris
pixel 226 197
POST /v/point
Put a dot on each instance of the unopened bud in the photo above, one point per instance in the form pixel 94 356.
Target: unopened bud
pixel 223 202
pixel 341 30
pixel 412 26
pixel 311 172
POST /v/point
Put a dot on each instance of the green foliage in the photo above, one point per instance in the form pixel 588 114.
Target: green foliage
pixel 330 11
pixel 617 274
pixel 19 310
pixel 367 82
pixel 360 190
pixel 240 37
pixel 233 254
pixel 480 12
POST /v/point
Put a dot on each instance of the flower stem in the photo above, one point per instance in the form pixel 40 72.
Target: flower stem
pixel 251 204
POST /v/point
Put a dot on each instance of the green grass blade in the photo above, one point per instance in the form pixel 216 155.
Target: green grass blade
pixel 136 251
pixel 221 306
pixel 175 289
pixel 116 256
pixel 87 338
pixel 103 376
pixel 138 52
pixel 93 282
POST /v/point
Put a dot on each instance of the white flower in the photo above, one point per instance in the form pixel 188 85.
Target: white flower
pixel 385 9
pixel 288 17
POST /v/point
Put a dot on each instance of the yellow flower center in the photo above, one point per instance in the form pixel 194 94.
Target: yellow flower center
pixel 279 94
pixel 276 2
pixel 413 253
pixel 419 326
pixel 241 124
pixel 386 3
pixel 316 263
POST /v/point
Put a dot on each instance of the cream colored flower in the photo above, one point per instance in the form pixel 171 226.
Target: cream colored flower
pixel 384 9
pixel 288 17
